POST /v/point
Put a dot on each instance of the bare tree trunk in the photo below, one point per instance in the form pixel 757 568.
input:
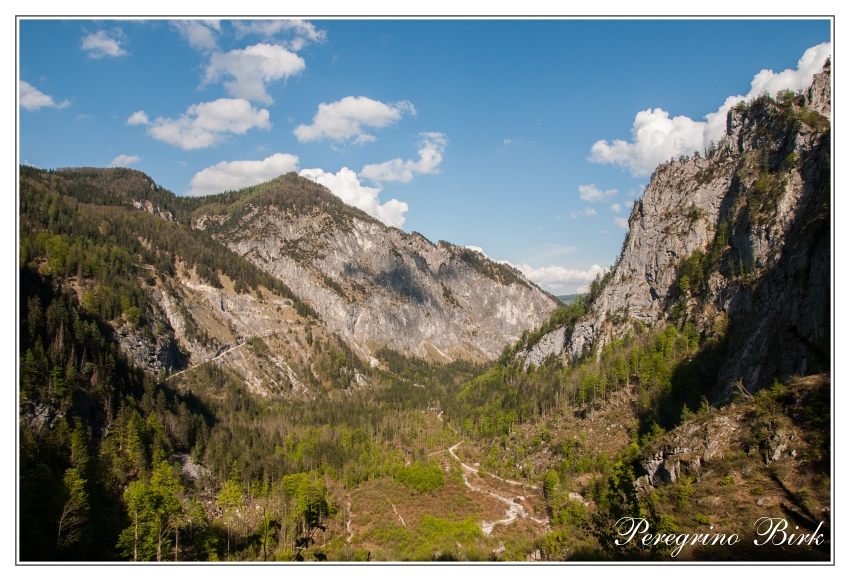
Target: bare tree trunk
pixel 136 535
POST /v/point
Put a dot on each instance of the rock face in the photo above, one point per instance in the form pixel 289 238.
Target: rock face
pixel 552 343
pixel 376 286
pixel 688 447
pixel 755 210
pixel 766 434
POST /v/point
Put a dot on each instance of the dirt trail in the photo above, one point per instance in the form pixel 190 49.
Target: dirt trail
pixel 515 510
pixel 396 512
pixel 471 469
pixel 348 525
pixel 222 354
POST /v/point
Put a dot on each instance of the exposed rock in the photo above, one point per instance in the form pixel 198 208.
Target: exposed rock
pixel 689 446
pixel 377 286
pixel 779 443
pixel 767 501
pixel 150 208
pixel 552 343
pixel 818 96
pixel 762 198
pixel 40 416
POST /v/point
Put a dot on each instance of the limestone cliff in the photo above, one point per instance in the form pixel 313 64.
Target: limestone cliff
pixel 377 286
pixel 737 240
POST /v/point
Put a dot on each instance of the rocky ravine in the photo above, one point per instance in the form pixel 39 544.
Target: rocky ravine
pixel 761 198
pixel 377 286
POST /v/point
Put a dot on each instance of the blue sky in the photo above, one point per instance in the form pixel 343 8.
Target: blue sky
pixel 496 134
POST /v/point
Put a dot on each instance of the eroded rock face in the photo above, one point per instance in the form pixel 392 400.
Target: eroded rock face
pixel 818 97
pixel 377 286
pixel 552 343
pixel 691 445
pixel 762 198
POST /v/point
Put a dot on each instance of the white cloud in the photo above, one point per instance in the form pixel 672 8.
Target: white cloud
pixel 345 185
pixel 124 160
pixel 205 124
pixel 593 194
pixel 431 150
pixel 586 212
pixel 32 99
pixel 138 118
pixel 615 207
pixel 232 175
pixel 303 31
pixel 622 223
pixel 100 44
pixel 560 280
pixel 656 137
pixel 478 249
pixel 201 34
pixel 346 118
pixel 252 68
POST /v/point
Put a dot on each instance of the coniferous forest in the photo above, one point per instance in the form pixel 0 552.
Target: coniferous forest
pixel 398 459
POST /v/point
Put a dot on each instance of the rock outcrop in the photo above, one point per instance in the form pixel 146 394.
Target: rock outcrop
pixel 750 220
pixel 763 430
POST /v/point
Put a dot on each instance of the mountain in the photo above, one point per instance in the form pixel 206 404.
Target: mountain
pixel 736 241
pixel 277 262
pixel 373 285
pixel 271 374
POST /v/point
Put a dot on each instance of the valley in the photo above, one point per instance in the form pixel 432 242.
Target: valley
pixel 269 374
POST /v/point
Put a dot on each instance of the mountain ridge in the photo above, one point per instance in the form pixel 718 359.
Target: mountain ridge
pixel 726 239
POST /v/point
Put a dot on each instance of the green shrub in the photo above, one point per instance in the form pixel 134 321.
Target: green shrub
pixel 422 477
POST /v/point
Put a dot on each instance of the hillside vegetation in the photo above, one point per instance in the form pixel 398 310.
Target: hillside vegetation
pixel 179 401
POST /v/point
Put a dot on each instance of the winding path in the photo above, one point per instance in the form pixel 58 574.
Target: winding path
pixel 471 469
pixel 515 509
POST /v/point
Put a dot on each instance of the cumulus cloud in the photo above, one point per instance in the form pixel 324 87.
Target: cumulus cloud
pixel 656 137
pixel 560 280
pixel 303 31
pixel 204 124
pixel 138 118
pixel 346 185
pixel 615 207
pixel 124 160
pixel 201 34
pixel 32 99
pixel 591 193
pixel 101 44
pixel 431 149
pixel 345 119
pixel 478 249
pixel 622 223
pixel 253 68
pixel 232 175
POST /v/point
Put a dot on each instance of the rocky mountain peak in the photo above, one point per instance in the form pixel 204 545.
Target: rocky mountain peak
pixel 735 241
pixel 377 286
